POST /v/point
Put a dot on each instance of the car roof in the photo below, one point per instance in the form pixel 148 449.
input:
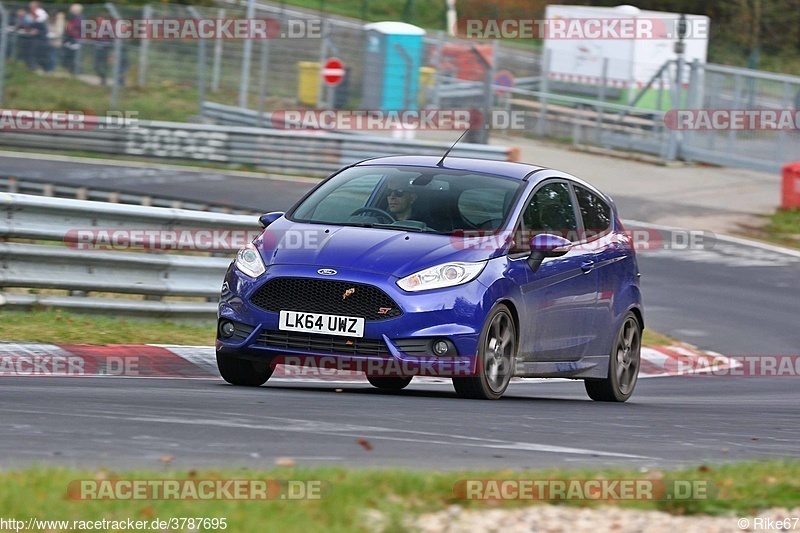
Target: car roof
pixel 486 166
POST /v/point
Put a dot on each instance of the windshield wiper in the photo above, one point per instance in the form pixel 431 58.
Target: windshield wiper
pixel 411 226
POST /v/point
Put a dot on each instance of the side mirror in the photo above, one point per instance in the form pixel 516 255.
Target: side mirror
pixel 546 245
pixel 268 218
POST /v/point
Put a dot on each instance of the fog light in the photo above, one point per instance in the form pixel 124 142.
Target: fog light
pixel 440 347
pixel 227 329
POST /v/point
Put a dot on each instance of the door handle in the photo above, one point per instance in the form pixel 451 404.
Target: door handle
pixel 587 266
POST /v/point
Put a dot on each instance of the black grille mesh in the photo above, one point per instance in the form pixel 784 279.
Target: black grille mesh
pixel 323 343
pixel 325 296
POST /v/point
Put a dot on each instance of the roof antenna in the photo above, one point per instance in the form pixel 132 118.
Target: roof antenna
pixel 441 161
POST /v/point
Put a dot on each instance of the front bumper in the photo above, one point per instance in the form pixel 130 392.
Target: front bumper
pixel 390 347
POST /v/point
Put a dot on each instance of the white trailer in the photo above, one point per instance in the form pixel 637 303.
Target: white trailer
pixel 578 39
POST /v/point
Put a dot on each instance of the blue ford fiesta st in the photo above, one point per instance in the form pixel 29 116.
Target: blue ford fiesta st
pixel 475 270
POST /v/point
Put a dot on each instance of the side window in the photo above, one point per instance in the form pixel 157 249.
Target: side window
pixel 596 213
pixel 480 206
pixel 550 210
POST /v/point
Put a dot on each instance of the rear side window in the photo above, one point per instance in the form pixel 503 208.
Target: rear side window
pixel 595 211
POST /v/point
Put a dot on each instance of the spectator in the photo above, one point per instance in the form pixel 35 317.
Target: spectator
pixel 24 38
pixel 39 14
pixel 56 37
pixel 40 43
pixel 72 39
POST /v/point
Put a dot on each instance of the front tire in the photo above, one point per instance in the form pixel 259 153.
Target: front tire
pixel 243 372
pixel 496 355
pixel 389 383
pixel 623 365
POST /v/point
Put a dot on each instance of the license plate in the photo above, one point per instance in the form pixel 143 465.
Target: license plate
pixel 346 326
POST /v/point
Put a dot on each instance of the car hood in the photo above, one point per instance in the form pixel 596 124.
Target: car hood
pixel 387 251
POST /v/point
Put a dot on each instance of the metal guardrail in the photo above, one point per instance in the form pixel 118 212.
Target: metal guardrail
pixel 307 153
pixel 26 185
pixel 116 275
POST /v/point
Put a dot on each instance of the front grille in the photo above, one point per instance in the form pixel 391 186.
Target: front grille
pixel 325 296
pixel 322 343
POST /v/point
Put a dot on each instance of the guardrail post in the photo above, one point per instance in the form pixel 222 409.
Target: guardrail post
pixel 437 65
pixel 247 52
pixel 737 98
pixel 692 102
pixel 217 56
pixel 117 60
pixel 481 136
pixel 786 103
pixel 488 101
pixel 3 47
pixel 262 80
pixel 323 53
pixel 673 146
pixel 144 47
pixel 201 62
pixel 600 110
pixel 541 125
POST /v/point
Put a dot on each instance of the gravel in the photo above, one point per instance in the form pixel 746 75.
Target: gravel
pixel 553 519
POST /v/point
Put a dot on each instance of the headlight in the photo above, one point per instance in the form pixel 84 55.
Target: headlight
pixel 439 276
pixel 248 260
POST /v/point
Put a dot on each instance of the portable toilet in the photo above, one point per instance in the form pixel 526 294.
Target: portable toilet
pixel 392 59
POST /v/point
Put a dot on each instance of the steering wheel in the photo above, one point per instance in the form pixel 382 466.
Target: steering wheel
pixel 385 214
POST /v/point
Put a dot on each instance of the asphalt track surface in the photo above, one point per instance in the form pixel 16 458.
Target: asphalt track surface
pixel 736 299
pixel 139 422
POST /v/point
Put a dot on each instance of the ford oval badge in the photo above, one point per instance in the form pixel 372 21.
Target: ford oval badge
pixel 326 271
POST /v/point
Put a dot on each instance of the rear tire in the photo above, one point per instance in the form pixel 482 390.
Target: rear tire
pixel 243 372
pixel 623 365
pixel 389 383
pixel 496 355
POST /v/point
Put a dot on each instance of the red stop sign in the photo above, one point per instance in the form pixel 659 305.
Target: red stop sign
pixel 333 71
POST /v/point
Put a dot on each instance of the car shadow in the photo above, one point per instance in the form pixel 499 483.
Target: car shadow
pixel 446 393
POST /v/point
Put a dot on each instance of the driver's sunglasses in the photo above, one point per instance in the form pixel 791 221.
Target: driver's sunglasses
pixel 396 192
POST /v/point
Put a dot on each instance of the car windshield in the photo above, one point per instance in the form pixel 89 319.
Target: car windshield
pixel 411 198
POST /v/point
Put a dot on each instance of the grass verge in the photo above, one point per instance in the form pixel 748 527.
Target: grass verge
pixel 167 101
pixel 60 326
pixel 783 228
pixel 349 496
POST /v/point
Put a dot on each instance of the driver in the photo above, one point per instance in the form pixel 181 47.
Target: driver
pixel 400 198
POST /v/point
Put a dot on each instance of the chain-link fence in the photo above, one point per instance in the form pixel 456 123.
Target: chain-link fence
pixel 598 106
